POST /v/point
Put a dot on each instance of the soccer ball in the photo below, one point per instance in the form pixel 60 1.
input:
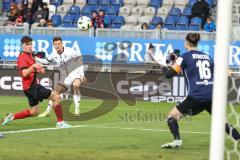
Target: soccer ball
pixel 84 23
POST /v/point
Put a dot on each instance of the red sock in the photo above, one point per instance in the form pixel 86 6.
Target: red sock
pixel 23 114
pixel 58 112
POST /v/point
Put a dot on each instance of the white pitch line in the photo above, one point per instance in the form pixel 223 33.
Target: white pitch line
pixel 102 127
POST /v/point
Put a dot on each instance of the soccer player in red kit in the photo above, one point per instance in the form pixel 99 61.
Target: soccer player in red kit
pixel 33 90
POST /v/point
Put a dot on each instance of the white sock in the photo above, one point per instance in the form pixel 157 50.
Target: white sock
pixel 49 107
pixel 75 99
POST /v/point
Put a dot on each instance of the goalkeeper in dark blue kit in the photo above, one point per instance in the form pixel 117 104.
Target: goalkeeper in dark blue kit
pixel 197 68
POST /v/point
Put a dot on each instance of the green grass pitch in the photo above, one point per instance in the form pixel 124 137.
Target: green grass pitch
pixel 128 132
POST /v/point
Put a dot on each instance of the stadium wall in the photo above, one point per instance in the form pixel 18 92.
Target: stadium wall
pixel 125 86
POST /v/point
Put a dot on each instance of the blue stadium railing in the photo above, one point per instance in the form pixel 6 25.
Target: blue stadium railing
pixel 108 33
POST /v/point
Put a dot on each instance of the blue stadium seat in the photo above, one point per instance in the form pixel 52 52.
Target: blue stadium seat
pixel 211 3
pixel 74 11
pixel 18 1
pixel 182 23
pixel 56 2
pixel 75 17
pixel 93 2
pixel 191 2
pixel 56 20
pixel 117 22
pixel 86 10
pixel 195 24
pixel 93 8
pixel 156 20
pixel 116 7
pixel 187 11
pixel 171 18
pixel 181 27
pixel 112 11
pixel 196 20
pixel 194 27
pixel 105 3
pixel 67 21
pixel 105 8
pixel 117 3
pixel 176 12
pixel 6 5
pixel 183 20
pixel 110 18
pixel 170 23
pixel 155 3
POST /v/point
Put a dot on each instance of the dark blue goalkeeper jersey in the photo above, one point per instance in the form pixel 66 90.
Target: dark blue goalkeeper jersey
pixel 197 68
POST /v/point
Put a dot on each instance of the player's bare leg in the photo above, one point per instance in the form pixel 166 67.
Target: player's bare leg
pixel 59 90
pixel 55 97
pixel 172 119
pixel 76 96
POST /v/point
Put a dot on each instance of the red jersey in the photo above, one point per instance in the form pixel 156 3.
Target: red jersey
pixel 26 60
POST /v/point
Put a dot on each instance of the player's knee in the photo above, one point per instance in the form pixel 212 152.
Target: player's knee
pixel 175 113
pixel 171 120
pixel 76 83
pixel 55 96
pixel 60 89
pixel 35 111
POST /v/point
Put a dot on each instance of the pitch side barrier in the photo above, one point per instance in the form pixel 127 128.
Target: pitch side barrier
pixel 111 33
pixel 129 83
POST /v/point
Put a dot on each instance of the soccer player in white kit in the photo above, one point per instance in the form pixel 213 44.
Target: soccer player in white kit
pixel 65 56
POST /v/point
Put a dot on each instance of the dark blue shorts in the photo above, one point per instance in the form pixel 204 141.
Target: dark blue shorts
pixel 192 107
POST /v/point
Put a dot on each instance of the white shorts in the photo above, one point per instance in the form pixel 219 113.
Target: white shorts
pixel 77 73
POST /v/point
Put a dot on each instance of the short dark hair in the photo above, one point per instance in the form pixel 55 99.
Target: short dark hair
pixel 94 12
pixel 193 39
pixel 144 24
pixel 26 39
pixel 101 10
pixel 161 23
pixel 57 39
pixel 151 46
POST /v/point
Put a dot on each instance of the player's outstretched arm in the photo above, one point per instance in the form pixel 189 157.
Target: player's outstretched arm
pixel 42 61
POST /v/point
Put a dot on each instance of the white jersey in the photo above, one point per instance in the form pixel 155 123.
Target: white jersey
pixel 60 59
pixel 67 54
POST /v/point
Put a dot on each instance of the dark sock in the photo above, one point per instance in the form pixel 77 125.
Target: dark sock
pixel 232 131
pixel 173 126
